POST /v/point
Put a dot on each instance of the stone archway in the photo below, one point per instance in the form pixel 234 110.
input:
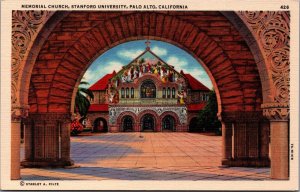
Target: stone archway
pixel 100 125
pixel 127 123
pixel 148 122
pixel 120 121
pixel 177 125
pixel 59 50
pixel 153 115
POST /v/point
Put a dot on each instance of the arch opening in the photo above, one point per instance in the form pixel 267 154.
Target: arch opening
pixel 148 123
pixel 226 74
pixel 100 125
pixel 168 123
pixel 127 123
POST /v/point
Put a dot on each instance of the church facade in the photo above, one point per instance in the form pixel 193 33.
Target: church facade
pixel 146 95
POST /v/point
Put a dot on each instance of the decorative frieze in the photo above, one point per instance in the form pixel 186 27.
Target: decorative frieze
pixel 115 111
pixel 276 111
pixel 18 113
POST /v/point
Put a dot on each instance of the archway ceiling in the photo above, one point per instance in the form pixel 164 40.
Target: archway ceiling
pixel 82 36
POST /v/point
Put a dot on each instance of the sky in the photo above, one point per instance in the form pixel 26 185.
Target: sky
pixel 123 54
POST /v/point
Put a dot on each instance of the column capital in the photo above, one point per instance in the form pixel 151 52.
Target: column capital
pixel 276 111
pixel 19 112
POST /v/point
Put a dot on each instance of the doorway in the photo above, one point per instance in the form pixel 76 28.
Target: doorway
pixel 148 122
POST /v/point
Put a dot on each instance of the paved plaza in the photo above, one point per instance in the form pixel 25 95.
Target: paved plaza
pixel 146 156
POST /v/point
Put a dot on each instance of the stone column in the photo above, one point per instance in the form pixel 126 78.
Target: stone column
pixel 226 142
pixel 64 141
pixel 278 114
pixel 241 139
pixel 15 148
pixel 17 114
pixel 49 145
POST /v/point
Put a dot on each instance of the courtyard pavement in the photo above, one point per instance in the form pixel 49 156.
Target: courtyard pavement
pixel 146 156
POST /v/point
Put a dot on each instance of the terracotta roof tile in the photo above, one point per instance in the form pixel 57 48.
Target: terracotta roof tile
pixel 194 83
pixel 101 84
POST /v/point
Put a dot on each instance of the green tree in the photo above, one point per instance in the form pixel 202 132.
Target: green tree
pixel 207 118
pixel 82 100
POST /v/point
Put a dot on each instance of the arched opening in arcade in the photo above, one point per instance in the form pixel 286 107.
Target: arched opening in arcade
pixel 100 125
pixel 51 80
pixel 168 123
pixel 127 123
pixel 147 123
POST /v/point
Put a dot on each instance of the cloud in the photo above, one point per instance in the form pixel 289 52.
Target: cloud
pixel 130 53
pixel 176 62
pixel 93 75
pixel 159 51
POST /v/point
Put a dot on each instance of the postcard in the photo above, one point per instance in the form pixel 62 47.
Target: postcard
pixel 160 95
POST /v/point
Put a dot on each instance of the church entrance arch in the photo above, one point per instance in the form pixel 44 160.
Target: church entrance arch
pixel 168 123
pixel 100 125
pixel 127 123
pixel 148 122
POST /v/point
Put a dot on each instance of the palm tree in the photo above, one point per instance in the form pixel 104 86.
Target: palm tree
pixel 82 100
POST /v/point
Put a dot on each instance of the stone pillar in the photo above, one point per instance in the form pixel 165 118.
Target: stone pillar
pixel 15 148
pixel 278 114
pixel 226 142
pixel 64 141
pixel 17 114
pixel 49 140
pixel 241 139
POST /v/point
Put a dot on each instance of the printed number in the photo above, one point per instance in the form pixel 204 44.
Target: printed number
pixel 284 7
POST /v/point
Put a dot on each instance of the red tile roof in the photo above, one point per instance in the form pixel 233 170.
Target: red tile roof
pixel 194 83
pixel 98 107
pixel 196 107
pixel 101 84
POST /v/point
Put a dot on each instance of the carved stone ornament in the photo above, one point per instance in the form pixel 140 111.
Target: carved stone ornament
pixel 271 30
pixel 115 111
pixel 276 111
pixel 18 113
pixel 25 27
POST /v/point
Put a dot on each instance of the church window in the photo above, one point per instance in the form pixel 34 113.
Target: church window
pixel 164 92
pixel 173 92
pixel 148 89
pixel 132 92
pixel 122 93
pixel 127 92
pixel 168 92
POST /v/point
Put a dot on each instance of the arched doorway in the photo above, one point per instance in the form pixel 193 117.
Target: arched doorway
pixel 127 123
pixel 148 122
pixel 193 125
pixel 168 123
pixel 100 125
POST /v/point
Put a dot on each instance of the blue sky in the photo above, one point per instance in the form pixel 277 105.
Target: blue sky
pixel 123 54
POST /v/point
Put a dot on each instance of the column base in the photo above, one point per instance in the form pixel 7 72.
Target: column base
pixel 246 162
pixel 47 163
